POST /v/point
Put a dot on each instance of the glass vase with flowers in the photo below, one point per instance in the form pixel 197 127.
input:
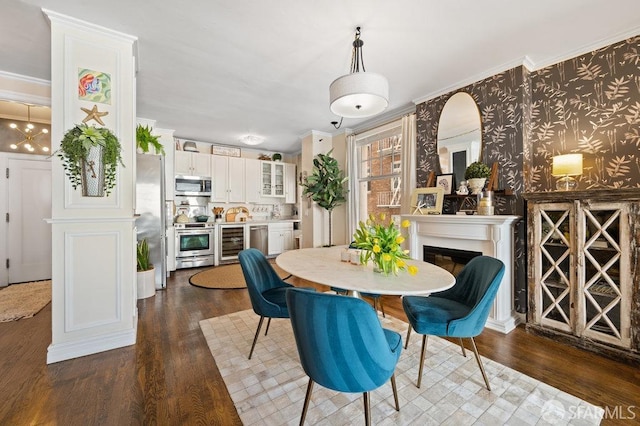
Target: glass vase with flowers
pixel 381 242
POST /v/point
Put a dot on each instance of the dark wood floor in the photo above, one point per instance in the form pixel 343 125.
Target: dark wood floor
pixel 170 377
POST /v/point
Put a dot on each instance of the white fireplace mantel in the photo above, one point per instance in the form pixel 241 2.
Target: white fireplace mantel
pixel 490 235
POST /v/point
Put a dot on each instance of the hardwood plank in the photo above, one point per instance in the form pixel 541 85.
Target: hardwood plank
pixel 170 377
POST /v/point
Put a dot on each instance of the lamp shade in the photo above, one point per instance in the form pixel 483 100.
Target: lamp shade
pixel 567 165
pixel 359 94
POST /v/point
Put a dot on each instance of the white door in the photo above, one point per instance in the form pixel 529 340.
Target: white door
pixel 28 235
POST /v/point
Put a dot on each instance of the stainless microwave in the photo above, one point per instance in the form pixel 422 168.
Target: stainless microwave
pixel 193 185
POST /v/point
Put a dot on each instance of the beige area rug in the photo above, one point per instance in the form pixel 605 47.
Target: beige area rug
pixel 24 300
pixel 269 389
pixel 226 277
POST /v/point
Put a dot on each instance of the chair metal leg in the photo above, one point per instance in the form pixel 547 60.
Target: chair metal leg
pixel 307 397
pixel 382 307
pixel 406 343
pixel 268 324
pixel 395 391
pixel 464 353
pixel 484 375
pixel 367 410
pixel 424 349
pixel 375 304
pixel 255 339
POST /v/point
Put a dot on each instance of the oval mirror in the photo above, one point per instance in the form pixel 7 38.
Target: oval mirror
pixel 459 135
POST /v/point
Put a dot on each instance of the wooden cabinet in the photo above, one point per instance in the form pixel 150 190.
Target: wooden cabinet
pixel 252 180
pixel 280 238
pixel 272 175
pixel 228 179
pixel 583 248
pixel 290 183
pixel 192 164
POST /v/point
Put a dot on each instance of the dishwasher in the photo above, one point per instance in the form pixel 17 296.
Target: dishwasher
pixel 259 237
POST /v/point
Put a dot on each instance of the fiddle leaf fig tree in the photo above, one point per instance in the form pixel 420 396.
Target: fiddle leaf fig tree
pixel 326 184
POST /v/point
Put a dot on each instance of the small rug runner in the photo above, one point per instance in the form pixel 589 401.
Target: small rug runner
pixel 269 389
pixel 24 300
pixel 226 277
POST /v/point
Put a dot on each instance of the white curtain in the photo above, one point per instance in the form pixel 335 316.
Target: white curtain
pixel 353 205
pixel 408 161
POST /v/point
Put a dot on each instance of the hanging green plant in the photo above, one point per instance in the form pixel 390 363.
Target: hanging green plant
pixel 145 140
pixel 84 164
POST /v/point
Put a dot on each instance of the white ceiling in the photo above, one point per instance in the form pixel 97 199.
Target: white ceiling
pixel 216 70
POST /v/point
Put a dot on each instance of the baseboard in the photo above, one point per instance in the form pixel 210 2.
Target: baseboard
pixel 506 326
pixel 69 350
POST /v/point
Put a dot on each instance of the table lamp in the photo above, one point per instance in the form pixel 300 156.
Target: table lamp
pixel 567 166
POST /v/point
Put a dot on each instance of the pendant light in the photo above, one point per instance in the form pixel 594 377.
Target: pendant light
pixel 359 94
pixel 28 134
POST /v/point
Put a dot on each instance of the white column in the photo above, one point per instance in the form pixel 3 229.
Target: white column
pixel 94 290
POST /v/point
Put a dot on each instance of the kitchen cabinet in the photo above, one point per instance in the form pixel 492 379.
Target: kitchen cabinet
pixel 582 246
pixel 228 179
pixel 272 177
pixel 192 164
pixel 280 238
pixel 252 180
pixel 289 183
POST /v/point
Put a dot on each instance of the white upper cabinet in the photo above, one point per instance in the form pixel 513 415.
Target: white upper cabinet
pixel 228 179
pixel 272 179
pixel 252 180
pixel 192 164
pixel 289 183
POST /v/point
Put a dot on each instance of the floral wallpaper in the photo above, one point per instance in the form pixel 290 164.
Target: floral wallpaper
pixel 499 99
pixel 590 105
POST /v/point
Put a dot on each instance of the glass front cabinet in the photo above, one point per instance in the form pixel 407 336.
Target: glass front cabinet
pixel 272 179
pixel 583 273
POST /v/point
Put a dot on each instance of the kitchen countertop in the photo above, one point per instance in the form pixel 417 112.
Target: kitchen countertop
pixel 260 221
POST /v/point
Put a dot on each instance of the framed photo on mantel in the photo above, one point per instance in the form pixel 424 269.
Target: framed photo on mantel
pixel 427 200
pixel 445 182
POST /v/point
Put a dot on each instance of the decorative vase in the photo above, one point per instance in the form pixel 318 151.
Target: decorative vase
pixel 146 283
pixel 93 173
pixel 476 185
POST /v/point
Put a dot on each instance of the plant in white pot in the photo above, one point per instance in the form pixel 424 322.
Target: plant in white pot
pixel 476 175
pixel 146 276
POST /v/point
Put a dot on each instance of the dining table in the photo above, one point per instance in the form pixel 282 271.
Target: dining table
pixel 323 265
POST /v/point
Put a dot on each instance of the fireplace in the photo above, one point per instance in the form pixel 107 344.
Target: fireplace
pixel 459 238
pixel 453 260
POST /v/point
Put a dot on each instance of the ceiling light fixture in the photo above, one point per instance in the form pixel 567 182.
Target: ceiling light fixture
pixel 251 140
pixel 358 94
pixel 28 135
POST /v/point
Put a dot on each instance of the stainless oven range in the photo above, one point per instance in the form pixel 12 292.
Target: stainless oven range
pixel 195 244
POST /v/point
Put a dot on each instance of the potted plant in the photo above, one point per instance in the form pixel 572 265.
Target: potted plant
pixel 90 157
pixel 325 185
pixel 146 275
pixel 276 157
pixel 476 175
pixel 145 140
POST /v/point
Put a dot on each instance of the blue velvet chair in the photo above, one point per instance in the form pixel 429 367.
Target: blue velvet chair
pixel 460 311
pixel 342 345
pixel 266 289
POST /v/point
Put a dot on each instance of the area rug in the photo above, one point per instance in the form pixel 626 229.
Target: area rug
pixel 269 389
pixel 225 277
pixel 24 300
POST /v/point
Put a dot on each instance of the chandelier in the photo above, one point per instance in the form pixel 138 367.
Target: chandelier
pixel 29 135
pixel 358 94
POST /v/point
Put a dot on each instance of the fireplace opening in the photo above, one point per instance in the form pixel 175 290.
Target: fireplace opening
pixel 453 260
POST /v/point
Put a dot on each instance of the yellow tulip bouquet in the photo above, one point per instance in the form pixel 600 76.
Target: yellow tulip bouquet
pixel 381 242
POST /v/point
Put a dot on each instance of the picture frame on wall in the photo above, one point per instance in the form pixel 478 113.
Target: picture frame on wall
pixel 446 182
pixel 427 200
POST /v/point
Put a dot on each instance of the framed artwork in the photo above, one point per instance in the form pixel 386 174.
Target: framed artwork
pixel 427 200
pixel 445 182
pixel 230 151
pixel 94 86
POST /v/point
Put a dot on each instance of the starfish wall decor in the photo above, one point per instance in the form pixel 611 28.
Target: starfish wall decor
pixel 94 114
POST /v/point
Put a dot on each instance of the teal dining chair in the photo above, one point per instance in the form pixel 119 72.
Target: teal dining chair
pixel 342 345
pixel 460 311
pixel 266 289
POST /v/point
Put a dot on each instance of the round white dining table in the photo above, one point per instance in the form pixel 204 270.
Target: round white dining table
pixel 323 266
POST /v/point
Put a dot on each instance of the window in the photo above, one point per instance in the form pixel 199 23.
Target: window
pixel 380 170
